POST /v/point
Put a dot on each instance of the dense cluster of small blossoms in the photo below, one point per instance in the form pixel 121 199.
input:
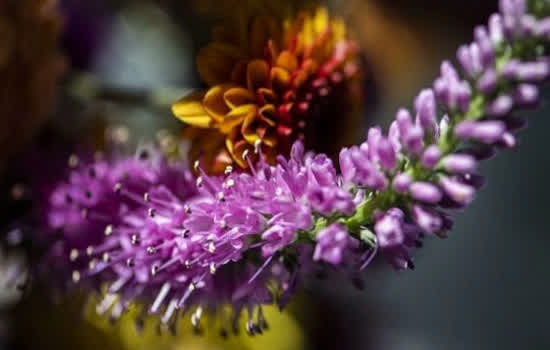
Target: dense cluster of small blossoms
pixel 246 239
pixel 99 195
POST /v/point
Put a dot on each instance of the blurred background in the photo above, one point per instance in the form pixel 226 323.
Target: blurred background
pixel 109 69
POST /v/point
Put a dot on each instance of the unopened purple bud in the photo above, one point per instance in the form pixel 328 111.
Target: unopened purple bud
pixel 425 192
pixel 393 136
pixel 448 71
pixel 485 45
pixel 526 94
pixel 386 154
pixel 508 141
pixel 510 69
pixel 278 237
pixel 485 131
pixel 430 221
pixel 346 165
pixel 389 232
pixel 404 121
pixel 543 27
pixel 465 59
pixel 297 151
pixel 533 72
pixel 366 172
pixel 459 163
pixel 331 243
pixel 426 110
pixel 529 25
pixel 514 8
pixel 441 90
pixel 373 137
pixel 488 81
pixel 463 94
pixel 396 213
pixel 496 31
pixel 431 157
pixel 323 170
pixel 402 182
pixel 414 139
pixel 500 106
pixel 457 191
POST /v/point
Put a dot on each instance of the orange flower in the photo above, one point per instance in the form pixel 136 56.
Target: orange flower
pixel 268 82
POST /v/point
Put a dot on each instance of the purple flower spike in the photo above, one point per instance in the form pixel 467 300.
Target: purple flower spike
pixel 425 192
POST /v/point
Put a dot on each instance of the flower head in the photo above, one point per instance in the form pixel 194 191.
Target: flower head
pixel 248 238
pixel 267 85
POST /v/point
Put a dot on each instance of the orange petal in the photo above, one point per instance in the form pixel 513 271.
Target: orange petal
pixel 267 96
pixel 338 29
pixel 236 117
pixel 236 149
pixel 287 60
pixel 238 96
pixel 257 74
pixel 280 78
pixel 304 73
pixel 215 62
pixel 191 111
pixel 321 20
pixel 248 130
pixel 268 114
pixel 214 102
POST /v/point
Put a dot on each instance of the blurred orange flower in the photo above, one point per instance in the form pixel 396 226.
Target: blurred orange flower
pixel 267 81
